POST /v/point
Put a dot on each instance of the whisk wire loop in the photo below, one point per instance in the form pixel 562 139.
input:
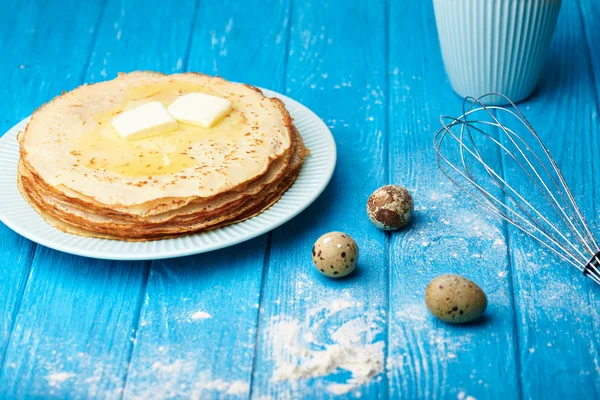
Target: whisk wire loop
pixel 512 136
pixel 498 207
pixel 511 192
pixel 559 224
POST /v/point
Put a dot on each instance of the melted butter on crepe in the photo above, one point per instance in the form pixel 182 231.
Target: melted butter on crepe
pixel 164 154
pixel 70 142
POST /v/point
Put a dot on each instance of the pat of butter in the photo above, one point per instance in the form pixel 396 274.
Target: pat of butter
pixel 200 109
pixel 147 120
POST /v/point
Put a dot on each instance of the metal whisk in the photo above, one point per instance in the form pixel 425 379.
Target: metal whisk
pixel 484 150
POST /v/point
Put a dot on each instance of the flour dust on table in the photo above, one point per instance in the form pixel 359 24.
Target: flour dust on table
pixel 199 315
pixel 336 340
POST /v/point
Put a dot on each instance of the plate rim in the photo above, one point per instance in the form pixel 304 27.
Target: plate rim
pixel 167 253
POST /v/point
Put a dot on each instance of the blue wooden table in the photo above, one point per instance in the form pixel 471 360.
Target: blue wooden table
pixel 224 324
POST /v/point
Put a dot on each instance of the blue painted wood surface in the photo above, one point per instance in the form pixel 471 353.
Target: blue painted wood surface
pixel 209 326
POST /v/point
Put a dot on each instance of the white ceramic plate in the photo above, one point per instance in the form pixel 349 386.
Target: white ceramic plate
pixel 314 176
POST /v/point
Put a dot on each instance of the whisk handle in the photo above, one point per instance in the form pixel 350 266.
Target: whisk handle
pixel 592 268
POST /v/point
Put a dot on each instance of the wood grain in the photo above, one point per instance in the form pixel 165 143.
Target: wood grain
pixel 555 317
pixel 556 321
pixel 212 325
pixel 75 328
pixel 31 73
pixel 27 79
pixel 78 317
pixel 590 17
pixel 135 35
pixel 339 72
pixel 198 323
pixel 428 358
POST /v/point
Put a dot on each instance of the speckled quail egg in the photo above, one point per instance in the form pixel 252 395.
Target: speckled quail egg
pixel 390 207
pixel 335 254
pixel 455 299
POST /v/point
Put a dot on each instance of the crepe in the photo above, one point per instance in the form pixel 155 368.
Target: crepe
pixel 85 180
pixel 177 224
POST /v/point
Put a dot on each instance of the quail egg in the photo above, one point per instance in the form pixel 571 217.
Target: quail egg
pixel 335 254
pixel 455 299
pixel 390 207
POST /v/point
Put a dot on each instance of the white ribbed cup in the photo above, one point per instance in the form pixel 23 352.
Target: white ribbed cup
pixel 495 45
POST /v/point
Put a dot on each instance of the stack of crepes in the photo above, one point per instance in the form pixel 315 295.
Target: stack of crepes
pixel 84 179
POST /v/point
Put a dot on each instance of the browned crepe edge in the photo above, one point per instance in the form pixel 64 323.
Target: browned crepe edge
pixel 80 231
pixel 40 186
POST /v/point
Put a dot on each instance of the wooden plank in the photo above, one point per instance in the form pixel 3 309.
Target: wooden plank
pixel 137 36
pixel 78 317
pixel 27 79
pixel 590 13
pixel 197 328
pixel 74 331
pixel 428 358
pixel 243 42
pixel 16 254
pixel 557 307
pixel 338 71
pixel 35 67
pixel 212 299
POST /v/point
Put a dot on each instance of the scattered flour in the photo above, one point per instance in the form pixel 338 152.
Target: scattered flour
pixel 57 378
pixel 238 387
pixel 200 315
pixel 323 345
pixel 180 378
pixel 422 351
pixel 340 388
pixel 462 395
pixel 230 388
